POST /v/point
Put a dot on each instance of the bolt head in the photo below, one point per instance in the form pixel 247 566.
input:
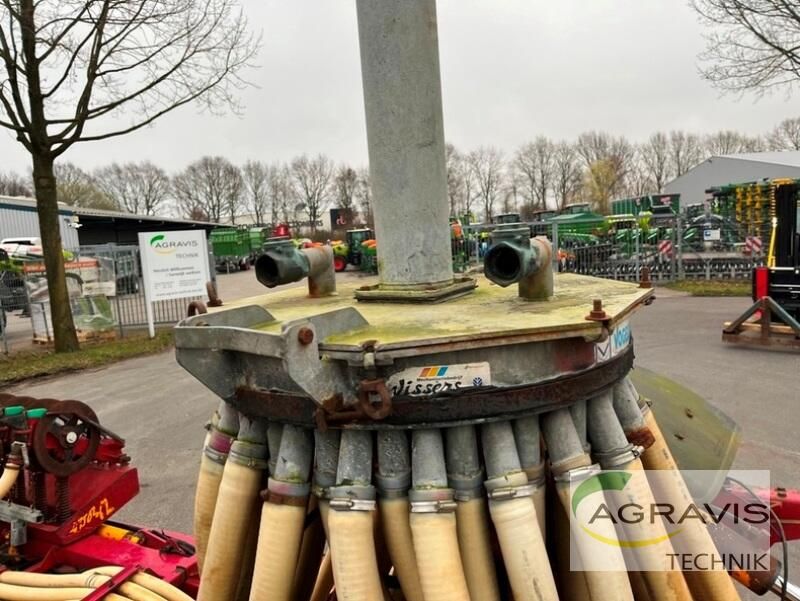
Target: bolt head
pixel 71 437
pixel 305 336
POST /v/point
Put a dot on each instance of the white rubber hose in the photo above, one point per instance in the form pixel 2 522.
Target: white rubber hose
pixel 236 503
pixel 662 584
pixel 165 589
pixel 475 545
pixel 441 573
pixel 711 585
pixel 8 479
pixel 205 500
pixel 279 538
pixel 355 567
pixel 11 592
pixel 397 532
pixel 136 592
pixel 522 545
pixel 33 579
pixel 611 585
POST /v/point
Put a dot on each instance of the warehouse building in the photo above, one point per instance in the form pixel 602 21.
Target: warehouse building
pixel 18 218
pixel 84 227
pixel 733 169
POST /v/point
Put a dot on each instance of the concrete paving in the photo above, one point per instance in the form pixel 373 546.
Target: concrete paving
pixel 161 410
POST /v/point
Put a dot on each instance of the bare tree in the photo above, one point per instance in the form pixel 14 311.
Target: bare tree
pixel 786 135
pixel 608 160
pixel 655 159
pixel 729 142
pixel 601 178
pixel 640 179
pixel 455 181
pixel 685 150
pixel 280 192
pixel 84 70
pixel 13 184
pixel 255 181
pixel 486 165
pixel 77 188
pixel 311 179
pixel 211 186
pixel 534 163
pixel 138 188
pixel 751 44
pixel 363 196
pixel 567 174
pixel 346 181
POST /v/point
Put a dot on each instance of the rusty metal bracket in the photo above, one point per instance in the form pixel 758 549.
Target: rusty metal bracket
pixel 447 409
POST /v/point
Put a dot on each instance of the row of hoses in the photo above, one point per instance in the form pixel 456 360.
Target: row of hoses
pixel 29 586
pixel 435 509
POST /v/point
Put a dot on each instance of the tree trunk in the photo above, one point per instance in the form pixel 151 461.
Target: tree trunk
pixel 44 181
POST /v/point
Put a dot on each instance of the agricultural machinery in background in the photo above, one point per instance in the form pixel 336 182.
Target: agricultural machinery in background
pixel 237 248
pixel 354 250
pixel 774 318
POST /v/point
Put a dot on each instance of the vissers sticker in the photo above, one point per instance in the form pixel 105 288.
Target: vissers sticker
pixel 617 342
pixel 425 381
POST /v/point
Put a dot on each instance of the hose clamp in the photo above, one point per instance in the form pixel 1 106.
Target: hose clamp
pixel 438 500
pixel 345 504
pixel 288 489
pixel 578 474
pixel 433 506
pixel 352 498
pixel 506 493
pixel 247 460
pixel 617 458
pixel 215 456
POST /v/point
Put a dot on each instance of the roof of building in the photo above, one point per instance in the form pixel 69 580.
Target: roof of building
pixel 790 158
pixel 30 203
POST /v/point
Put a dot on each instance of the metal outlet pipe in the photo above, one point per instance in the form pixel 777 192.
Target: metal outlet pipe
pixel 284 264
pixel 350 521
pixel 615 452
pixel 605 576
pixel 283 517
pixel 233 515
pixel 529 446
pixel 465 477
pixel 514 516
pixel 405 134
pixel 515 257
pixel 433 521
pixel 221 432
pixel 393 481
pixel 714 585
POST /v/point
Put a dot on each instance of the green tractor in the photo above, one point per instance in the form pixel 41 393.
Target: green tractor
pixel 350 252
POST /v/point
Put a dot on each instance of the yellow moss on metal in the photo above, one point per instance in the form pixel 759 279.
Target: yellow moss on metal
pixel 488 312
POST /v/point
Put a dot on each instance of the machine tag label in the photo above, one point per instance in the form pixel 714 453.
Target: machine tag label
pixel 426 381
pixel 617 342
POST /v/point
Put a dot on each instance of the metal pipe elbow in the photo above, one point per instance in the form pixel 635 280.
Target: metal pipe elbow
pixel 515 257
pixel 283 264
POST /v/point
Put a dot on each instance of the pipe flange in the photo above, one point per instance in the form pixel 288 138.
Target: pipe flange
pixel 578 473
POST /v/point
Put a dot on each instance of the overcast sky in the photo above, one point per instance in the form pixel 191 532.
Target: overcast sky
pixel 511 70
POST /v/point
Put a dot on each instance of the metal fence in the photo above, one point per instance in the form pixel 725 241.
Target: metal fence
pixel 106 290
pixel 678 249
